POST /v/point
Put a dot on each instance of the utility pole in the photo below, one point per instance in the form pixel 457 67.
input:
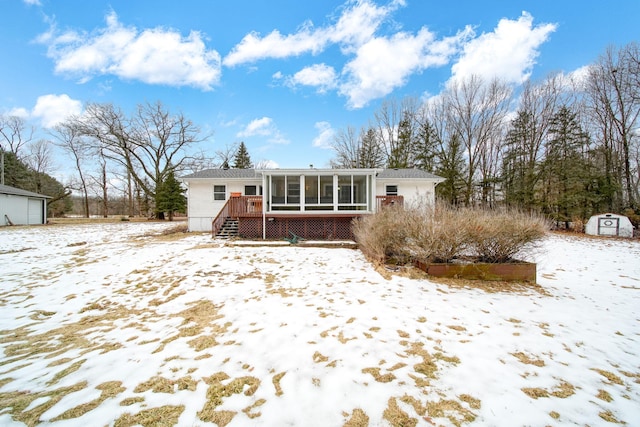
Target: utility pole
pixel 1 165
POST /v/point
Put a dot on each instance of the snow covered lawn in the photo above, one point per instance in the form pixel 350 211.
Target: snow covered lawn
pixel 115 324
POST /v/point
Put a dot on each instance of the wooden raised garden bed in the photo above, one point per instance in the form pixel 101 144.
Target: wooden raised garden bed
pixel 512 271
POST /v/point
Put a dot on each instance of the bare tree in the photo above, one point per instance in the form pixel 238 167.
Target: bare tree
pixel 362 150
pixel 39 159
pixel 612 88
pixel 522 151
pixel 345 144
pixel 70 139
pixel 148 144
pixel 15 133
pixel 476 110
pixel 389 119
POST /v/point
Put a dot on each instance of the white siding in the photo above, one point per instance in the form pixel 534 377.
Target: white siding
pixel 414 192
pixel 35 212
pixel 202 209
pixel 21 210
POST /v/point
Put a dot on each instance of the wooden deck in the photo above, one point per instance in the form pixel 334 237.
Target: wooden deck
pixel 326 225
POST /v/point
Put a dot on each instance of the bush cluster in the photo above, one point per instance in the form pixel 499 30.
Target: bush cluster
pixel 444 234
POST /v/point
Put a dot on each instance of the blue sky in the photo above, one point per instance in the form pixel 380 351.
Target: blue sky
pixel 283 76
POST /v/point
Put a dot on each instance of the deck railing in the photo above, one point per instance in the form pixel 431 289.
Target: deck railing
pixel 236 207
pixel 384 201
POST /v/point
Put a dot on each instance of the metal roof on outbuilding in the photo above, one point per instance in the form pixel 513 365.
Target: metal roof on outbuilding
pixel 6 189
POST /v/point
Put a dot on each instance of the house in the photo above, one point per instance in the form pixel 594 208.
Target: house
pixel 21 207
pixel 310 203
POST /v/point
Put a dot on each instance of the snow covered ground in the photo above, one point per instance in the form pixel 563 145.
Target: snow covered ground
pixel 109 324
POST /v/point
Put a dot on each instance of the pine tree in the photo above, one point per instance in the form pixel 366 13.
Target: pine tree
pixel 425 149
pixel 400 155
pixel 566 167
pixel 170 197
pixel 452 168
pixel 520 168
pixel 242 160
pixel 370 153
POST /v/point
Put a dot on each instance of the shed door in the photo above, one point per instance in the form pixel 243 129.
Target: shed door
pixel 35 211
pixel 608 226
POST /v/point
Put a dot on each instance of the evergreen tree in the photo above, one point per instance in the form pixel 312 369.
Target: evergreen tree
pixel 170 197
pixel 400 155
pixel 242 160
pixel 425 148
pixel 452 168
pixel 566 168
pixel 370 153
pixel 520 169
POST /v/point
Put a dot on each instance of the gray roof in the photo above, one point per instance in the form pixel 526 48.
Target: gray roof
pixel 224 173
pixel 406 174
pixel 5 189
pixel 252 174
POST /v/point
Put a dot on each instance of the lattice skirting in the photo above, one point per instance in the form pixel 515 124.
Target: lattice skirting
pixel 317 228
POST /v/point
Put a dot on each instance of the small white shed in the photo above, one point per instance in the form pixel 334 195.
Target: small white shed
pixel 21 207
pixel 609 224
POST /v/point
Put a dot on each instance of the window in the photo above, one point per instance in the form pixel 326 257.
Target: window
pixel 250 190
pixel 285 193
pixel 392 190
pixel 219 192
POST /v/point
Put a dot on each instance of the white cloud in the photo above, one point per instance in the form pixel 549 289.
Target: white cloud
pixel 154 56
pixel 53 109
pixel 383 64
pixel 357 24
pixel 321 76
pixel 264 127
pixel 325 135
pixel 33 2
pixel 19 112
pixel 508 53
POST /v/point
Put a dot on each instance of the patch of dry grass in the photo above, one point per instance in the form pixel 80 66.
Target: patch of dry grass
pixel 109 389
pixel 19 401
pixel 526 359
pixel 562 391
pixel 381 378
pixel 613 378
pixel 163 416
pixel 396 416
pixel 451 410
pixel 217 392
pixel 358 419
pixel 276 383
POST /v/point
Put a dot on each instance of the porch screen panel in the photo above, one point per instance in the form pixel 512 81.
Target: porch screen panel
pixel 360 189
pixel 352 193
pixel 311 190
pixel 293 189
pixel 285 193
pixel 326 190
pixel 277 190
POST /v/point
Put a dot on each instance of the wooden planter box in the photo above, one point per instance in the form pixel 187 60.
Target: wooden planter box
pixel 513 271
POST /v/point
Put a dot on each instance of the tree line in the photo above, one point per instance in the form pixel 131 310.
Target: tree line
pixel 123 164
pixel 567 148
pixel 564 148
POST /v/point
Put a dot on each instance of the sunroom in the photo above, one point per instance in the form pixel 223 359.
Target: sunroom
pixel 319 191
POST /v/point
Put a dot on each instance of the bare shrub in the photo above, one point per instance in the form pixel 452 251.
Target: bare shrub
pixel 442 233
pixel 496 236
pixel 383 235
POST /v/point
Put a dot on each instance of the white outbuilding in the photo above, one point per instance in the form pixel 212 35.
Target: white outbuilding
pixel 609 224
pixel 21 207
